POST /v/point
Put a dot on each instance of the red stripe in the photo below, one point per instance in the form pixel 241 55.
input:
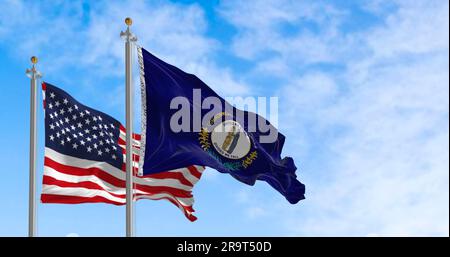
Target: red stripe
pixel 47 180
pixel 93 171
pixel 135 169
pixel 149 190
pixel 135 156
pixel 194 171
pixel 187 209
pixel 172 174
pixel 44 87
pixel 135 136
pixel 68 199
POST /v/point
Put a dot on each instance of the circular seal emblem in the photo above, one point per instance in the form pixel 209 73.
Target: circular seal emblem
pixel 230 140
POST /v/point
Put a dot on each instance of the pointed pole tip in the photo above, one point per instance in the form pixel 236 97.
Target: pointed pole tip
pixel 34 59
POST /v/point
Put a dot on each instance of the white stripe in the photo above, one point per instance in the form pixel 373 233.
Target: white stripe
pixel 48 171
pixel 187 174
pixel 85 192
pixel 82 163
pixel 76 179
pixel 183 201
pixel 79 191
pixel 135 151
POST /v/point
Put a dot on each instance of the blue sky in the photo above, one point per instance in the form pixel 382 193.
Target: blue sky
pixel 364 103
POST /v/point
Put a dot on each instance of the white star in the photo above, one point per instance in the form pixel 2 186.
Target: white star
pixel 94 128
pixel 114 156
pixel 99 152
pixel 101 142
pixel 82 114
pixel 86 131
pixel 65 101
pixel 75 146
pixel 52 137
pixel 51 116
pixel 89 149
pixel 88 139
pixel 107 141
pixel 68 139
pixel 62 111
pixel 107 150
pixel 70 109
pixel 112 126
pixel 87 121
pixel 81 134
pixel 62 142
pixel 100 118
pixel 87 112
pixel 74 117
pixel 114 147
pixel 76 107
pixel 100 126
pixel 72 127
pixel 56 114
pixel 95 145
pixel 57 103
pixel 50 106
pixel 52 126
pixel 52 95
pixel 94 136
pixel 58 135
pixel 94 118
pixel 102 134
pixel 82 142
pixel 66 120
pixel 79 125
pixel 75 136
pixel 57 124
pixel 67 130
pixel 63 131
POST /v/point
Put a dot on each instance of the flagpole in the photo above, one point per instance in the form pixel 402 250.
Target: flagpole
pixel 129 38
pixel 34 75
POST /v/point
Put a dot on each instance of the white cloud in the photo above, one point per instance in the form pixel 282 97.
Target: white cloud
pixel 376 130
pixel 260 29
pixel 87 40
pixel 255 212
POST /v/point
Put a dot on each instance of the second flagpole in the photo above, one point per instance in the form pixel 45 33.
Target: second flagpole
pixel 130 39
pixel 34 75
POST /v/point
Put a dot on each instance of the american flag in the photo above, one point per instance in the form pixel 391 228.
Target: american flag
pixel 85 159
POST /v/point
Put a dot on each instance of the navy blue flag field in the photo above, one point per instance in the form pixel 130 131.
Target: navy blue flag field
pixel 227 141
pixel 85 159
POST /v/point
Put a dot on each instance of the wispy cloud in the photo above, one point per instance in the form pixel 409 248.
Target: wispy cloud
pixel 371 124
pixel 77 37
pixel 363 93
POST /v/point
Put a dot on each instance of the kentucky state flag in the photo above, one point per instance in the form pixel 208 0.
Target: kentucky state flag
pixel 184 122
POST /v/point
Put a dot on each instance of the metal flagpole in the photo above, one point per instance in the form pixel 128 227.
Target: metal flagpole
pixel 34 75
pixel 129 40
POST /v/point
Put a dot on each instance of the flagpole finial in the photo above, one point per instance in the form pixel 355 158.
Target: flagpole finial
pixel 34 59
pixel 128 21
